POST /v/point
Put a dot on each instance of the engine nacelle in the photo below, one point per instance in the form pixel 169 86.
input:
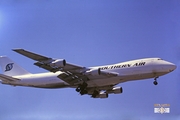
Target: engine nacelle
pixel 115 90
pixel 98 71
pixel 102 95
pixel 59 63
pixel 93 72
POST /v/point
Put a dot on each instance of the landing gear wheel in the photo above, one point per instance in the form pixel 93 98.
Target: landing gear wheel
pixel 82 88
pixel 155 82
pixel 83 92
pixel 78 89
pixel 95 93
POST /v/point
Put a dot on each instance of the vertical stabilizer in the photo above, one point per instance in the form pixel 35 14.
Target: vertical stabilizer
pixel 10 68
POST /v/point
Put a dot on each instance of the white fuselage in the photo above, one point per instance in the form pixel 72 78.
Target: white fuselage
pixel 127 71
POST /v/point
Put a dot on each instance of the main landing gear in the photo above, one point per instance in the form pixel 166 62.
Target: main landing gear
pixel 155 81
pixel 95 94
pixel 82 88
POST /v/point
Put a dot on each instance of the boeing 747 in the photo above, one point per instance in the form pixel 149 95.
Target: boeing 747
pixel 99 81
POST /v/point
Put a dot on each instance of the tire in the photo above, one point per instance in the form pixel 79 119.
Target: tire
pixel 155 82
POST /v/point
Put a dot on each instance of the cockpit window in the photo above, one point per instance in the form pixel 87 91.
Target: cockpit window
pixel 160 59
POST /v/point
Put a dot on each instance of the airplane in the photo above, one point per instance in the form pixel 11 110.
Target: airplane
pixel 99 81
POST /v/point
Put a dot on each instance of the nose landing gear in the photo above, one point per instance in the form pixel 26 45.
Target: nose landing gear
pixel 155 81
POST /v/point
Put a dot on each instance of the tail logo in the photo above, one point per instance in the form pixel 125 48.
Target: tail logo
pixel 9 67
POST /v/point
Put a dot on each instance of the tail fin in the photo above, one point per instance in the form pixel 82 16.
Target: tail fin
pixel 10 68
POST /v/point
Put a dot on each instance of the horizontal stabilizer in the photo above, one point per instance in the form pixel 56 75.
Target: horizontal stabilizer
pixel 6 78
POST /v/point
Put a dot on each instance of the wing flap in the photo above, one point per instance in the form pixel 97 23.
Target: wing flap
pixel 46 67
pixel 68 67
pixel 72 79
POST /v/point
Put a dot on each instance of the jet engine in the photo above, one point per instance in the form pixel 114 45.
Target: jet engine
pixel 115 90
pixel 93 72
pixel 102 95
pixel 59 63
pixel 98 71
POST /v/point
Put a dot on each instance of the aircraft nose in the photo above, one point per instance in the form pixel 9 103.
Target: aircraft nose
pixel 171 67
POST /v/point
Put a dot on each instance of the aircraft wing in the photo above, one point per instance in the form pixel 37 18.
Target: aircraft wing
pixel 43 61
pixel 72 74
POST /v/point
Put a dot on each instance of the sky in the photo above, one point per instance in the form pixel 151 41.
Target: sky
pixel 91 33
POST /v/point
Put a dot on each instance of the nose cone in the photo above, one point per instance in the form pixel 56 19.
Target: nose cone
pixel 171 66
pixel 164 67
